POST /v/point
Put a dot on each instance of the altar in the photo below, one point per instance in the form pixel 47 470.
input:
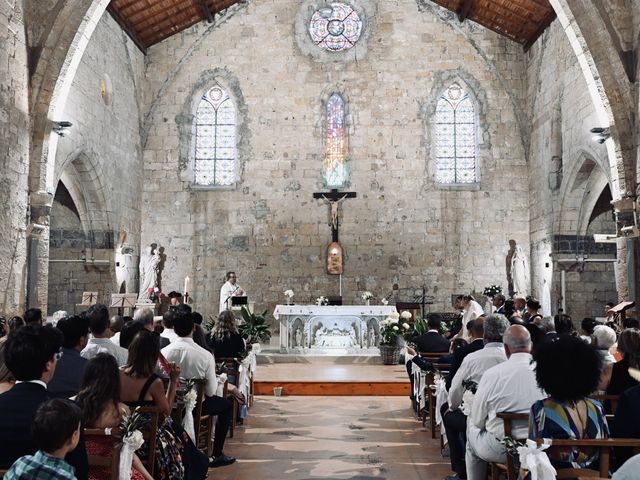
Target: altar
pixel 330 330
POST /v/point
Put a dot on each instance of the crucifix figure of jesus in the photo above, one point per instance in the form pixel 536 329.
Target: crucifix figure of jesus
pixel 334 198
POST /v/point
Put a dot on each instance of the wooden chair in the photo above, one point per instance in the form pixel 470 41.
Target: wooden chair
pixel 430 391
pixel 432 355
pixel 510 467
pixel 604 446
pixel 102 461
pixel 203 424
pixel 150 433
pixel 232 367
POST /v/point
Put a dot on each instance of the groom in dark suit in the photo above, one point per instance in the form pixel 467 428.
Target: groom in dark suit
pixel 432 340
pixel 31 354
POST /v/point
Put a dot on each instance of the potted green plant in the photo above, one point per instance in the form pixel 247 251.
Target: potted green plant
pixel 255 328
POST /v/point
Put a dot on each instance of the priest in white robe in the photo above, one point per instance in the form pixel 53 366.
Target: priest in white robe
pixel 228 290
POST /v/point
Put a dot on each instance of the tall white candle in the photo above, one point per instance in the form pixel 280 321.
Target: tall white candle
pixel 186 284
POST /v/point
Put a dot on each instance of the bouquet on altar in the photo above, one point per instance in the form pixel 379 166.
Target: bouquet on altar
pixel 367 296
pixel 322 301
pixel 288 293
pixel 391 328
pixel 492 290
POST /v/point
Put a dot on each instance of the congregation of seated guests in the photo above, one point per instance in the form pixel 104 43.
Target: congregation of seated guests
pixel 525 362
pixel 91 372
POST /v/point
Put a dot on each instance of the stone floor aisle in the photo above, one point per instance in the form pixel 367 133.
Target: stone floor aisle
pixel 332 437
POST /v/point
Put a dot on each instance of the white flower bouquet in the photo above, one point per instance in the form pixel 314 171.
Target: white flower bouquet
pixel 288 293
pixel 367 296
pixel 321 301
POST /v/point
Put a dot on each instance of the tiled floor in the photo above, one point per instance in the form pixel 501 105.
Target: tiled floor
pixel 332 437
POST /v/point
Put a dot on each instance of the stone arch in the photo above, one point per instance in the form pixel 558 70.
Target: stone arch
pixel 51 81
pixel 80 178
pixel 185 122
pixel 442 81
pixel 600 59
pixel 581 188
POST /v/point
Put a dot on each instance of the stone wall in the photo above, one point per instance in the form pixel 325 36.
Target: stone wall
pixel 564 192
pixel 99 164
pixel 401 229
pixel 14 157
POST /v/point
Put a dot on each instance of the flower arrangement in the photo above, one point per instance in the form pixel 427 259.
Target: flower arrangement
pixel 289 294
pixel 322 301
pixel 384 301
pixel 391 328
pixel 492 290
pixel 154 294
pixel 131 440
pixel 366 296
pixel 406 315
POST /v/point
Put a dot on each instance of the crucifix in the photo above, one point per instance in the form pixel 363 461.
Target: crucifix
pixel 334 251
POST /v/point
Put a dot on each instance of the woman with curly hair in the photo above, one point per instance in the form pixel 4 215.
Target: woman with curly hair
pixel 99 400
pixel 225 340
pixel 568 370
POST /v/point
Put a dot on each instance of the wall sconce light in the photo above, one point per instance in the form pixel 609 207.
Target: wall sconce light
pixel 62 128
pixel 600 135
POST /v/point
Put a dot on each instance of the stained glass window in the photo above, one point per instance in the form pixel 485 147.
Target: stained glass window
pixel 336 27
pixel 455 137
pixel 335 143
pixel 215 139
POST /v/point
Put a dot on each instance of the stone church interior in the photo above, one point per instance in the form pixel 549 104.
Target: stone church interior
pixel 335 182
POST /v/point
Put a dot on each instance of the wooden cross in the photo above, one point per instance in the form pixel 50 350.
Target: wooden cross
pixel 334 197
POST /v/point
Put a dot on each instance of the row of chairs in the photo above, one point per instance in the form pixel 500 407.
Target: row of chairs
pixel 203 424
pixel 510 469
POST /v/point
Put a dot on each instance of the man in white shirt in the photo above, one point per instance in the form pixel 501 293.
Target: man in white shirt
pixel 228 290
pixel 167 323
pixel 472 368
pixel 197 363
pixel 508 387
pixel 98 316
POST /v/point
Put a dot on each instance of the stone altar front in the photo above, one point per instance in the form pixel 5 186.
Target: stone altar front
pixel 330 330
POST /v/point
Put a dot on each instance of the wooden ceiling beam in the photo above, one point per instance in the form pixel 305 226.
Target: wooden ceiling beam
pixel 543 26
pixel 465 8
pixel 144 15
pixel 206 11
pixel 159 34
pixel 128 28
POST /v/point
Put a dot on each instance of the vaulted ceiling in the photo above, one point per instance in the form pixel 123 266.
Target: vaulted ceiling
pixel 148 22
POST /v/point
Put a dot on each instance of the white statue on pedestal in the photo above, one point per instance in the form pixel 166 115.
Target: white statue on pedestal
pixel 520 272
pixel 149 269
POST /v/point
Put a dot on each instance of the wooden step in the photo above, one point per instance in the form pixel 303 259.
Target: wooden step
pixel 334 388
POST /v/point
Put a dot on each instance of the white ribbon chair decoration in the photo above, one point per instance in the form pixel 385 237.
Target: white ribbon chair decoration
pixel 190 399
pixel 130 444
pixel 534 459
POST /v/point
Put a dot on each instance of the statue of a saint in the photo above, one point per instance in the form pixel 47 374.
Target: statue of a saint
pixel 298 337
pixel 149 269
pixel 372 337
pixel 520 272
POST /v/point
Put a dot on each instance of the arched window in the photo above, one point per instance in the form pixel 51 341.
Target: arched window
pixel 215 139
pixel 455 137
pixel 335 143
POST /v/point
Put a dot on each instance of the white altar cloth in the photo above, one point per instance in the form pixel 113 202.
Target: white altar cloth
pixel 330 329
pixel 334 310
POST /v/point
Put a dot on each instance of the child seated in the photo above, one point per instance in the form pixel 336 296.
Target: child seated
pixel 56 431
